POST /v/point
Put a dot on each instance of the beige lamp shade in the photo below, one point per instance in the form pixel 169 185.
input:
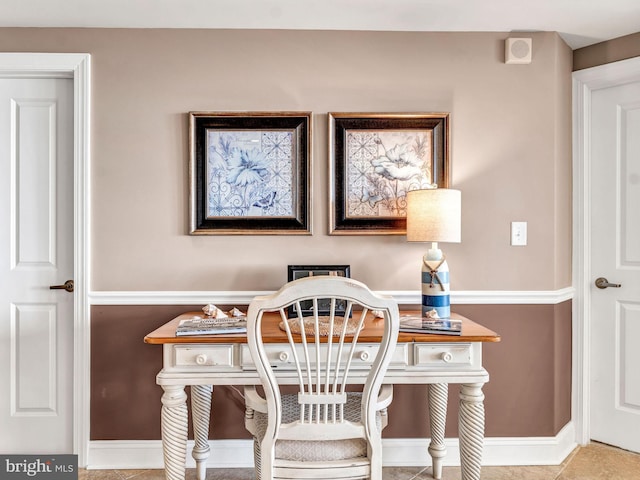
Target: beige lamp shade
pixel 433 215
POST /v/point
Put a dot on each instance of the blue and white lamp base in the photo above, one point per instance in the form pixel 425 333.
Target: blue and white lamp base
pixel 436 300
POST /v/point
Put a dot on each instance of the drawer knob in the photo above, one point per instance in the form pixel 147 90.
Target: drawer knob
pixel 284 356
pixel 201 359
pixel 447 357
pixel 364 356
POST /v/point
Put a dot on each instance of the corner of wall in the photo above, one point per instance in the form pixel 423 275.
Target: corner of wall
pixel 562 188
pixel 562 365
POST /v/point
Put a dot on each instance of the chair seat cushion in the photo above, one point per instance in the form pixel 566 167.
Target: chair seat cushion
pixel 314 450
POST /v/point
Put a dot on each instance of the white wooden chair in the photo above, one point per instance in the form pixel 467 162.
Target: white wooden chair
pixel 325 430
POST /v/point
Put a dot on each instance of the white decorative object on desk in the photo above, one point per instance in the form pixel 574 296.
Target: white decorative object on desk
pixel 211 310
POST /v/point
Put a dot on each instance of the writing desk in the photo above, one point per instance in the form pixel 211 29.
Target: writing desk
pixel 436 360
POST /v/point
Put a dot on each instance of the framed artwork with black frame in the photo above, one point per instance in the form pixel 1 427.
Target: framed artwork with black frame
pixel 250 173
pixel 376 158
pixel 295 272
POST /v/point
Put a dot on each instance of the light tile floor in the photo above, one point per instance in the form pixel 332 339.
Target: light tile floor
pixel 596 461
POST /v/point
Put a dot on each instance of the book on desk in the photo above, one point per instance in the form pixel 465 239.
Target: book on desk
pixel 211 326
pixel 438 326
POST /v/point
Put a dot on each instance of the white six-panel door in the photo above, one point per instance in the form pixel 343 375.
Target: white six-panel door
pixel 615 243
pixel 36 251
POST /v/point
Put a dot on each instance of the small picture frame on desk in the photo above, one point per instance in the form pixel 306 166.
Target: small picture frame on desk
pixel 301 271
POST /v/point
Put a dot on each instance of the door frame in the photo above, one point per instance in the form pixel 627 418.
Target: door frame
pixel 76 66
pixel 584 83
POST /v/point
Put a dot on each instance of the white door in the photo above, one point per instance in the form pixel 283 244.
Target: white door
pixel 36 251
pixel 615 244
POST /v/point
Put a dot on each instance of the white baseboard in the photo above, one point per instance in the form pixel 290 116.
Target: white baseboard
pixel 398 452
pixel 532 450
pixel 143 454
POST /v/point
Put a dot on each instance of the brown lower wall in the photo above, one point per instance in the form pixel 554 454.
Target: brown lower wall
pixel 529 393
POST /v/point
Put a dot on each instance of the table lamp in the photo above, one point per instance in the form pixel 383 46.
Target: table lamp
pixel 433 215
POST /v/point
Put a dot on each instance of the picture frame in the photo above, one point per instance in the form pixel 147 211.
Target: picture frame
pixel 250 173
pixel 376 158
pixel 295 272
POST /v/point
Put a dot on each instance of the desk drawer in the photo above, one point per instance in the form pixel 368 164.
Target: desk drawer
pixel 203 355
pixel 281 358
pixel 441 354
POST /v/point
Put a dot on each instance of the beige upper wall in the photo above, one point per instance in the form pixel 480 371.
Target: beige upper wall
pixel 606 52
pixel 510 133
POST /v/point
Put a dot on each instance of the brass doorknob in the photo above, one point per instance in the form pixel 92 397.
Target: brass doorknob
pixel 602 282
pixel 68 286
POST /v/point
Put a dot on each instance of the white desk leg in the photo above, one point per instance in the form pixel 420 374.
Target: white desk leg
pixel 438 394
pixel 200 412
pixel 471 430
pixel 174 431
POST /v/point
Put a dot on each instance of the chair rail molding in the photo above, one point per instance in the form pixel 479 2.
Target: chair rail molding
pixel 542 297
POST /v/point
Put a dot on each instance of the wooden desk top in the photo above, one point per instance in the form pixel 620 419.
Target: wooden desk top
pixel 372 332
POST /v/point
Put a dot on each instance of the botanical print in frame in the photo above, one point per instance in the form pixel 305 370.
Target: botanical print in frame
pixel 250 173
pixel 381 167
pixel 375 160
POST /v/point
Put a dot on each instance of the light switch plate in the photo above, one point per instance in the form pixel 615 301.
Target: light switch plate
pixel 518 234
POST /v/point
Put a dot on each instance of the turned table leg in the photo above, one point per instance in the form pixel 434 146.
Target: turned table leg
pixel 174 431
pixel 438 394
pixel 201 412
pixel 471 430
